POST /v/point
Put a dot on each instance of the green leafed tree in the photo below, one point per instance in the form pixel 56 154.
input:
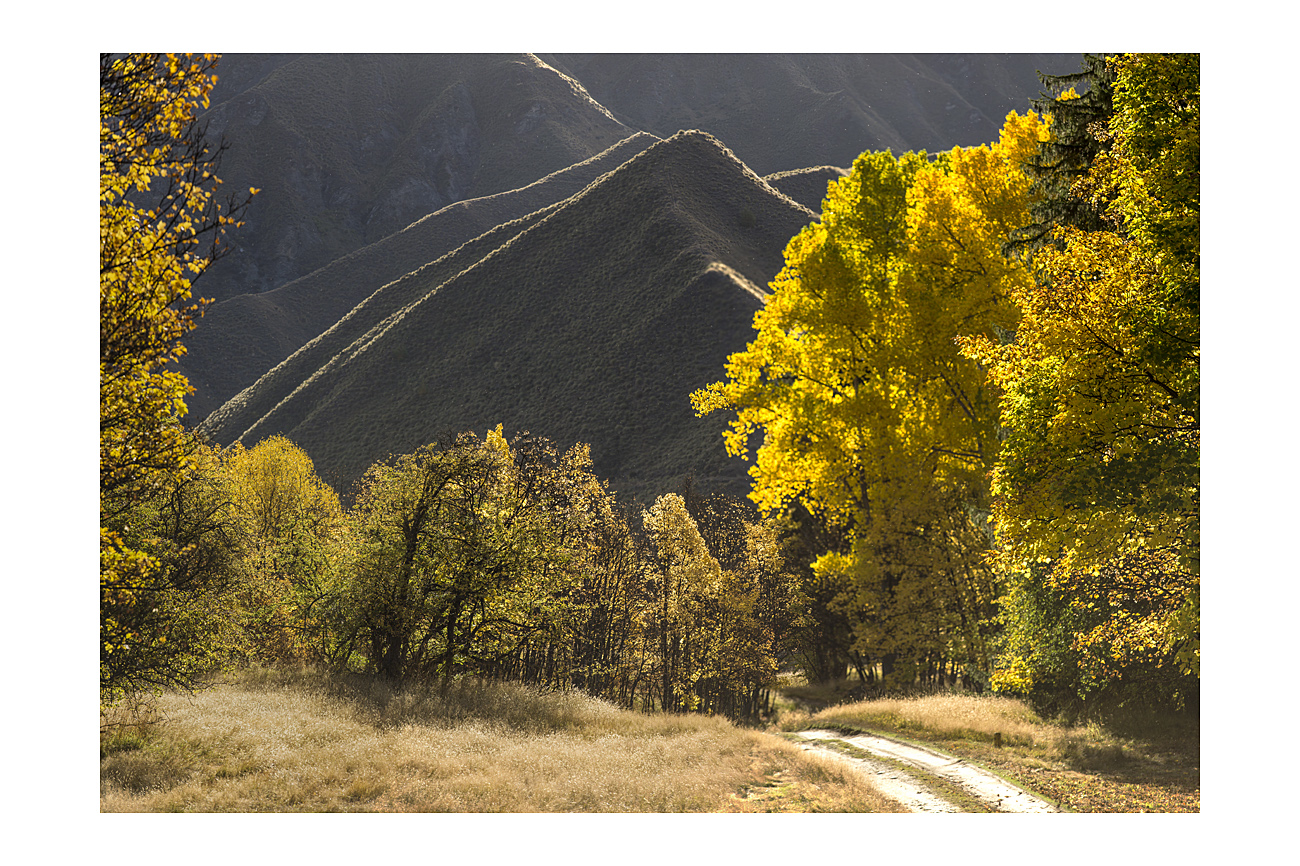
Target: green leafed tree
pixel 1097 489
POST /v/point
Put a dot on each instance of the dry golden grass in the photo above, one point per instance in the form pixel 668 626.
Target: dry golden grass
pixel 275 744
pixel 949 715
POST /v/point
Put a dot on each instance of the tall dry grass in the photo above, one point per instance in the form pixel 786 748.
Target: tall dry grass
pixel 273 743
pixel 953 715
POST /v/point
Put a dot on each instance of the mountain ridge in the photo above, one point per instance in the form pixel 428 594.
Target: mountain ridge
pixel 348 149
pixel 634 287
pixel 247 335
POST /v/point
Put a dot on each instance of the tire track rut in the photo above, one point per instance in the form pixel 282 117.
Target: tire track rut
pixel 999 794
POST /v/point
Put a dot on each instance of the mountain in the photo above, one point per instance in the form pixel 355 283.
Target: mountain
pixel 245 336
pixel 590 321
pixel 780 112
pixel 350 148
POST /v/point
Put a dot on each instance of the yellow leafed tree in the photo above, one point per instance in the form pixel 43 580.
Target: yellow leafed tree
pixel 159 228
pixel 871 417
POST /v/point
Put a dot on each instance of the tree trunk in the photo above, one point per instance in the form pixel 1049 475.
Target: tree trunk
pixel 449 657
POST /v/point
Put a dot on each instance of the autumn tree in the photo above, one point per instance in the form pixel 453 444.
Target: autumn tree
pixel 767 608
pixel 872 419
pixel 160 228
pixel 1097 488
pixel 183 618
pixel 610 606
pixel 458 554
pixel 291 525
pixel 582 624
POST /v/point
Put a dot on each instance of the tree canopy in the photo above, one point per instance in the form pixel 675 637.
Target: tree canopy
pixel 159 229
pixel 1097 488
pixel 872 419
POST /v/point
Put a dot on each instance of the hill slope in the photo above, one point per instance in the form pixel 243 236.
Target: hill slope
pixel 779 112
pixel 593 323
pixel 243 337
pixel 807 185
pixel 349 148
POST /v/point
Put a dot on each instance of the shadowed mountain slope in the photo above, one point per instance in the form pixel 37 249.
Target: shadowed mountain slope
pixel 243 337
pixel 349 148
pixel 782 111
pixel 360 324
pixel 593 323
pixel 807 185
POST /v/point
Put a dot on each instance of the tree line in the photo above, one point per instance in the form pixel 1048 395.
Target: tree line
pixel 978 383
pixel 467 557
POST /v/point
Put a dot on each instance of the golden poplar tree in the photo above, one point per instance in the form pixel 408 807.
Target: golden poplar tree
pixel 871 416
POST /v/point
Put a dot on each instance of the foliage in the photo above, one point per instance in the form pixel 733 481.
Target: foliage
pixel 156 214
pixel 510 560
pixel 180 618
pixel 1067 154
pixel 159 230
pixel 1097 489
pixel 716 628
pixel 291 525
pixel 871 417
pixel 460 547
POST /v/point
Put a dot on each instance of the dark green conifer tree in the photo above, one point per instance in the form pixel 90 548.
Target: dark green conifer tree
pixel 1067 157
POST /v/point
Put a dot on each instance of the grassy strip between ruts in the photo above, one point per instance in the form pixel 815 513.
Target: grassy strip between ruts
pixel 273 742
pixel 1130 765
pixel 937 785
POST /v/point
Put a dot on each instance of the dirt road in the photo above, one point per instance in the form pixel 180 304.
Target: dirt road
pixel 999 794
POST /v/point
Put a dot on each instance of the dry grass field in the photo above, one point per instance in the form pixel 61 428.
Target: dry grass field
pixel 271 742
